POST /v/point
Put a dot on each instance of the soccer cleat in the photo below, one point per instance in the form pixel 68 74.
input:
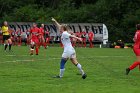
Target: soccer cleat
pixel 127 71
pixel 36 54
pixel 56 77
pixel 84 76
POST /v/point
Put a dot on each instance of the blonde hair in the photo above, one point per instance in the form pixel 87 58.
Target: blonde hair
pixel 65 27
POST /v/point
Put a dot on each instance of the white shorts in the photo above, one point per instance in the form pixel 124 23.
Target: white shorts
pixel 69 54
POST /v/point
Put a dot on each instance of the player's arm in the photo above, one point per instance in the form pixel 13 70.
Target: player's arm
pixel 73 36
pixel 56 22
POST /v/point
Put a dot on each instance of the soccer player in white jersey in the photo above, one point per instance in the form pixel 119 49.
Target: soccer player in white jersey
pixel 69 51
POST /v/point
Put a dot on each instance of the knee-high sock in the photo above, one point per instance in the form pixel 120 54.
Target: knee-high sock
pixel 80 68
pixel 5 46
pixel 36 50
pixel 134 65
pixel 62 67
pixel 10 45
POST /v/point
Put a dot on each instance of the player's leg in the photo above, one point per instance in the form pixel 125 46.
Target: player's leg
pixel 84 42
pixel 43 42
pixel 62 65
pixel 47 42
pixel 136 63
pixel 37 49
pixel 32 47
pixel 14 40
pixel 5 41
pixel 28 40
pixel 10 44
pixel 78 65
pixel 39 43
pixel 81 43
pixel 90 41
pixel 37 46
pixel 19 40
pixel 5 44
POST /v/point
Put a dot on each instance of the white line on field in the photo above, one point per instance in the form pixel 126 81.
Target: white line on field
pixel 54 58
pixel 16 55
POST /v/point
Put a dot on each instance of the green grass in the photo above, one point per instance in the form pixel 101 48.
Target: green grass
pixel 21 73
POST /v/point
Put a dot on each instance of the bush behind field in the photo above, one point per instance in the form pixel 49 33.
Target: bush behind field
pixel 120 16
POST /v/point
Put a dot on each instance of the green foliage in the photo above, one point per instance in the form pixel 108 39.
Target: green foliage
pixel 120 16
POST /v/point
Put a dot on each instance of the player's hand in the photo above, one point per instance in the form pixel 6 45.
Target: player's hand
pixel 53 19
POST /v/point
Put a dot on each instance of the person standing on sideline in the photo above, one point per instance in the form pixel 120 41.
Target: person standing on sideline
pixel 83 36
pixel 90 38
pixel 6 36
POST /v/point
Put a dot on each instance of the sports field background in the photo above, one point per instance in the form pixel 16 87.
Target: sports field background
pixel 105 67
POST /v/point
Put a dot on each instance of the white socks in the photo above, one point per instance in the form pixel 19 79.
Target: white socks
pixel 61 72
pixel 80 68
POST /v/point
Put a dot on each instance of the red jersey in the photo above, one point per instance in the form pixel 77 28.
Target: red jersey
pixel 90 35
pixel 35 32
pixel 41 31
pixel 137 39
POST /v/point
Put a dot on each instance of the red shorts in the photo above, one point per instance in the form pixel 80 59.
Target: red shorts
pixel 34 41
pixel 136 50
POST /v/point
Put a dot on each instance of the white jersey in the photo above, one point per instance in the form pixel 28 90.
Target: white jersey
pixel 65 38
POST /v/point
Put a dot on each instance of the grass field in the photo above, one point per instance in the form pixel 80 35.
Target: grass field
pixel 21 73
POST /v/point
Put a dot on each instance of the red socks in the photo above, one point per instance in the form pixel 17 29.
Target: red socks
pixel 135 64
pixel 45 45
pixel 36 50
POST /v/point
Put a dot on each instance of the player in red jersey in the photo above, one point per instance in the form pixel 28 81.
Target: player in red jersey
pixel 78 34
pixel 28 36
pixel 90 38
pixel 18 33
pixel 34 33
pixel 83 36
pixel 136 49
pixel 41 36
pixel 13 36
pixel 47 37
